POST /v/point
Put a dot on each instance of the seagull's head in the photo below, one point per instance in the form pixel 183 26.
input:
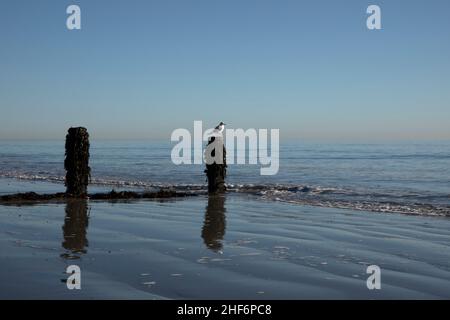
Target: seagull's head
pixel 221 123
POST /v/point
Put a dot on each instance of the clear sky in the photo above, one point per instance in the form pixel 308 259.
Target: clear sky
pixel 140 69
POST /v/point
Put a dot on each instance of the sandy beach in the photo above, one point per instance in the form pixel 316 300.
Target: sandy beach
pixel 230 247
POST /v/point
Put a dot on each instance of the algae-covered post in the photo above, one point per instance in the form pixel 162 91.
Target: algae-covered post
pixel 77 162
pixel 216 165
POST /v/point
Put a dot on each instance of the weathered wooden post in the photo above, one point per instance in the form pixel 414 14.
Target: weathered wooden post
pixel 216 167
pixel 77 162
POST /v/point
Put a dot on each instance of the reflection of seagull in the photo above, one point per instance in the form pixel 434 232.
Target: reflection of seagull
pixel 219 128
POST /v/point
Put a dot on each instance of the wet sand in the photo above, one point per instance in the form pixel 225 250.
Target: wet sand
pixel 231 247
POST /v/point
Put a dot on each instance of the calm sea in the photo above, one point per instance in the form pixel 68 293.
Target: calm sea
pixel 398 177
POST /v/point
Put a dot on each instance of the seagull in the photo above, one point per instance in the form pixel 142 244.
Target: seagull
pixel 217 132
pixel 219 128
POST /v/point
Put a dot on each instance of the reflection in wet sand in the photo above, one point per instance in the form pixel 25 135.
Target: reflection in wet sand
pixel 75 227
pixel 215 222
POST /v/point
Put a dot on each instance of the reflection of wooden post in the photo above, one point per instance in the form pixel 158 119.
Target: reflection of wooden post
pixel 77 162
pixel 75 226
pixel 215 223
pixel 215 172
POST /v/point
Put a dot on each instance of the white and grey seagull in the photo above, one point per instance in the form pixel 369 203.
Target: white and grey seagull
pixel 219 128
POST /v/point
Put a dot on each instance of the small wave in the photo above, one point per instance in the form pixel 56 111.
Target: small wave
pixel 104 181
pixel 321 196
pixel 32 177
pixel 374 206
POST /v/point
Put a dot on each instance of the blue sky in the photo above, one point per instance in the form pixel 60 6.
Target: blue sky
pixel 140 69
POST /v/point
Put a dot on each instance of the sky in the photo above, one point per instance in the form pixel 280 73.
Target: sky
pixel 141 69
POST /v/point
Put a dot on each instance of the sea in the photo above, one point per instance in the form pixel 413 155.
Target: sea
pixel 401 177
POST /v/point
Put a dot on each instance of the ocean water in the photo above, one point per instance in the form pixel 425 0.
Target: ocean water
pixel 410 178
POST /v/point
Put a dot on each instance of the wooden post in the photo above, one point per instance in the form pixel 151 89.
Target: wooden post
pixel 216 172
pixel 77 162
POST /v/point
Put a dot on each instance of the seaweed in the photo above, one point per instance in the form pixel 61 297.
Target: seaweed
pixel 125 195
pixel 32 197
